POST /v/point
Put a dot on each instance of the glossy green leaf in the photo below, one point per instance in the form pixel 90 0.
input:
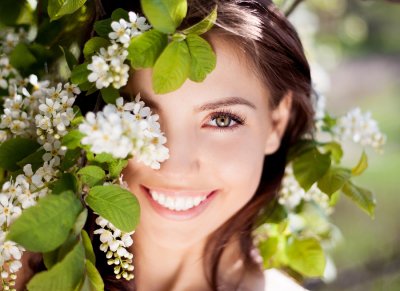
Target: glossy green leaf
pixel 79 74
pixel 203 58
pixel 35 159
pixel 335 149
pixel 93 280
pixel 103 27
pixel 72 139
pixel 45 226
pixel 364 198
pixel 309 167
pixel 164 15
pixel 87 243
pixel 67 182
pixel 361 166
pixel 110 94
pixel 92 175
pixel 80 222
pixel 306 256
pixel 93 45
pixel 57 255
pixel 116 167
pixel 59 8
pixel 117 205
pixel 103 158
pixel 145 48
pixel 300 147
pixel 70 159
pixel 118 14
pixel 14 150
pixel 172 68
pixel 63 276
pixel 204 25
pixel 333 180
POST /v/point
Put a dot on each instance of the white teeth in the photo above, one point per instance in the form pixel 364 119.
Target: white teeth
pixel 181 203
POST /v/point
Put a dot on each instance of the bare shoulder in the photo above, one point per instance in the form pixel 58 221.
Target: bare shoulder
pixel 276 281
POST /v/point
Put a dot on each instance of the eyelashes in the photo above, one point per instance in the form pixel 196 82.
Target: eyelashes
pixel 225 120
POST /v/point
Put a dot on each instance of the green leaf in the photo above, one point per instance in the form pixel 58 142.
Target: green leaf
pixel 64 276
pixel 87 243
pixel 103 158
pixel 93 45
pixel 335 149
pixel 79 74
pixel 309 167
pixel 306 256
pixel 70 159
pixel 72 139
pixel 110 94
pixel 117 205
pixel 15 150
pixel 300 147
pixel 103 27
pixel 361 166
pixel 364 198
pixel 333 180
pixel 80 222
pixel 35 159
pixel 118 14
pixel 204 25
pixel 164 15
pixel 172 68
pixel 268 248
pixel 21 57
pixel 53 257
pixel 10 11
pixel 145 48
pixel 93 280
pixel 116 167
pixel 59 8
pixel 67 182
pixel 45 226
pixel 203 58
pixel 69 58
pixel 92 175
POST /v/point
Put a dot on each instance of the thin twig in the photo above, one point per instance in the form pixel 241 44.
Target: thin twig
pixel 293 7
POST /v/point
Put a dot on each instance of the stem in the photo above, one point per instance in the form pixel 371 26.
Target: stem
pixel 293 7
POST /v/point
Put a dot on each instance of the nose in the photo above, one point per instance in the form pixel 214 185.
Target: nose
pixel 183 146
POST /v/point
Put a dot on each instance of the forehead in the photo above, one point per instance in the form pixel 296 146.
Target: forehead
pixel 233 76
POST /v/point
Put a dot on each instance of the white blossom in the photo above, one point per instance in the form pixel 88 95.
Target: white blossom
pixel 121 31
pixel 360 128
pixel 125 129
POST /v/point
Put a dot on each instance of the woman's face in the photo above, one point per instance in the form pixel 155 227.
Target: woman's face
pixel 218 132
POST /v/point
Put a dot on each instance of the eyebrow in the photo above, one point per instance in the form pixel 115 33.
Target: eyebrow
pixel 226 102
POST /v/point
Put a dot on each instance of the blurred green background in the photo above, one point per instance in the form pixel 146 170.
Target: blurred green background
pixel 355 48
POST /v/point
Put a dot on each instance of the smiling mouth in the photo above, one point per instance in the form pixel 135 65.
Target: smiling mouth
pixel 181 203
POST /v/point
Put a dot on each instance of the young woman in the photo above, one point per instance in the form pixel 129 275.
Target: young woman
pixel 228 139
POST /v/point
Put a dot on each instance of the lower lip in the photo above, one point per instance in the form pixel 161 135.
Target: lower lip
pixel 179 215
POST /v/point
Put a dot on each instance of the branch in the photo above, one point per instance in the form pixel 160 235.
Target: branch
pixel 293 7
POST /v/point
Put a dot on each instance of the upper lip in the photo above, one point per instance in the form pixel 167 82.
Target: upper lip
pixel 177 191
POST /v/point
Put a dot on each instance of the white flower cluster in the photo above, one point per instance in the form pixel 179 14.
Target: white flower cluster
pixel 9 39
pixel 115 244
pixel 123 30
pixel 14 198
pixel 360 128
pixel 107 67
pixel 291 193
pixel 124 129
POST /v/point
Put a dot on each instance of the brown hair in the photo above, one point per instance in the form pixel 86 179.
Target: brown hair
pixel 276 55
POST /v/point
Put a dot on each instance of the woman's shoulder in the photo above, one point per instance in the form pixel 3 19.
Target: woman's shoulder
pixel 276 280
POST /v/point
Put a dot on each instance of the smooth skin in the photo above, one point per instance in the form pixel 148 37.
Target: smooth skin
pixel 218 132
